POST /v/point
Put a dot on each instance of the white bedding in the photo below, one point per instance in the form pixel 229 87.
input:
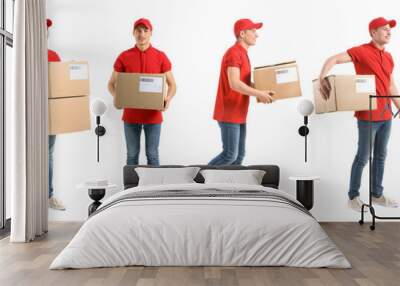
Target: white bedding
pixel 200 231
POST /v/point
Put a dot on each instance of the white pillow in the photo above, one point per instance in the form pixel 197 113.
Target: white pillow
pixel 248 177
pixel 166 176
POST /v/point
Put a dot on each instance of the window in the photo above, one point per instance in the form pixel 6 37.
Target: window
pixel 7 94
pixel 6 43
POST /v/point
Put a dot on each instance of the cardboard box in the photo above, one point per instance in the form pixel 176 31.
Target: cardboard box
pixel 68 79
pixel 70 114
pixel 348 93
pixel 282 78
pixel 145 91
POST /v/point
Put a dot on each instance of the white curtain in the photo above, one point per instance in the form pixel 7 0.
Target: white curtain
pixel 28 141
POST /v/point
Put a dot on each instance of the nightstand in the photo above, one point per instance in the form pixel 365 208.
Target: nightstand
pixel 96 193
pixel 305 190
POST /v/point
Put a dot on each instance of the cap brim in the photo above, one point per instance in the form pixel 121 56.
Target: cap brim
pixel 258 25
pixel 392 23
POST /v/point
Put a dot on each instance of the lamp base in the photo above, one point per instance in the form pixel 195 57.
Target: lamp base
pixel 100 130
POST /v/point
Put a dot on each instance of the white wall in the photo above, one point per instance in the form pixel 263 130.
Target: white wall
pixel 195 34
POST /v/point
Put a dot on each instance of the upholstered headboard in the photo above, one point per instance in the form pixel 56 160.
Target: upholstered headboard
pixel 270 179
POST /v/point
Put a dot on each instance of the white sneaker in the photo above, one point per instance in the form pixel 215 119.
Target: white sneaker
pixel 356 204
pixel 385 202
pixel 56 204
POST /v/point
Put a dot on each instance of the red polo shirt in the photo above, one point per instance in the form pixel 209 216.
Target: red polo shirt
pixel 232 106
pixel 369 60
pixel 137 61
pixel 52 56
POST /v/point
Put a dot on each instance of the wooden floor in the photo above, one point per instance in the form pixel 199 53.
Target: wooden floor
pixel 374 255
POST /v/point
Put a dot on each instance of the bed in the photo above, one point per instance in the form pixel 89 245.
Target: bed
pixel 201 224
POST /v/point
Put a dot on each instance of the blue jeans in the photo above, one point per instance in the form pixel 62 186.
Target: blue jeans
pixel 233 144
pixel 380 133
pixel 52 142
pixel 132 137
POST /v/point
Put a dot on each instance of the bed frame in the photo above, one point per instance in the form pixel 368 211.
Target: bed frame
pixel 270 179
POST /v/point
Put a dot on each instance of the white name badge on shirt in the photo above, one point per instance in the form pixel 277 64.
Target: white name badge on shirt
pixel 78 72
pixel 286 75
pixel 150 84
pixel 365 85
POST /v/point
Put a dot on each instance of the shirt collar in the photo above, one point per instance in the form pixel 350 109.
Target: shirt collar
pixel 240 47
pixel 145 51
pixel 375 47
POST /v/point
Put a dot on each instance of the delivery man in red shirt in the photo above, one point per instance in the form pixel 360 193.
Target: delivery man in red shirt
pixel 234 90
pixel 370 59
pixel 53 202
pixel 143 58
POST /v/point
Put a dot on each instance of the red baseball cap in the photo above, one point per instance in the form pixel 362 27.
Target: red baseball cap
pixel 145 22
pixel 379 22
pixel 245 24
pixel 49 22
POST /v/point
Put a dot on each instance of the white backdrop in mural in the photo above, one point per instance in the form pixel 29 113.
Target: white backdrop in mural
pixel 194 35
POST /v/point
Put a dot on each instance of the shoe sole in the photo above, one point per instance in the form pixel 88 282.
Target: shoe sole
pixel 359 211
pixel 385 206
pixel 57 209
